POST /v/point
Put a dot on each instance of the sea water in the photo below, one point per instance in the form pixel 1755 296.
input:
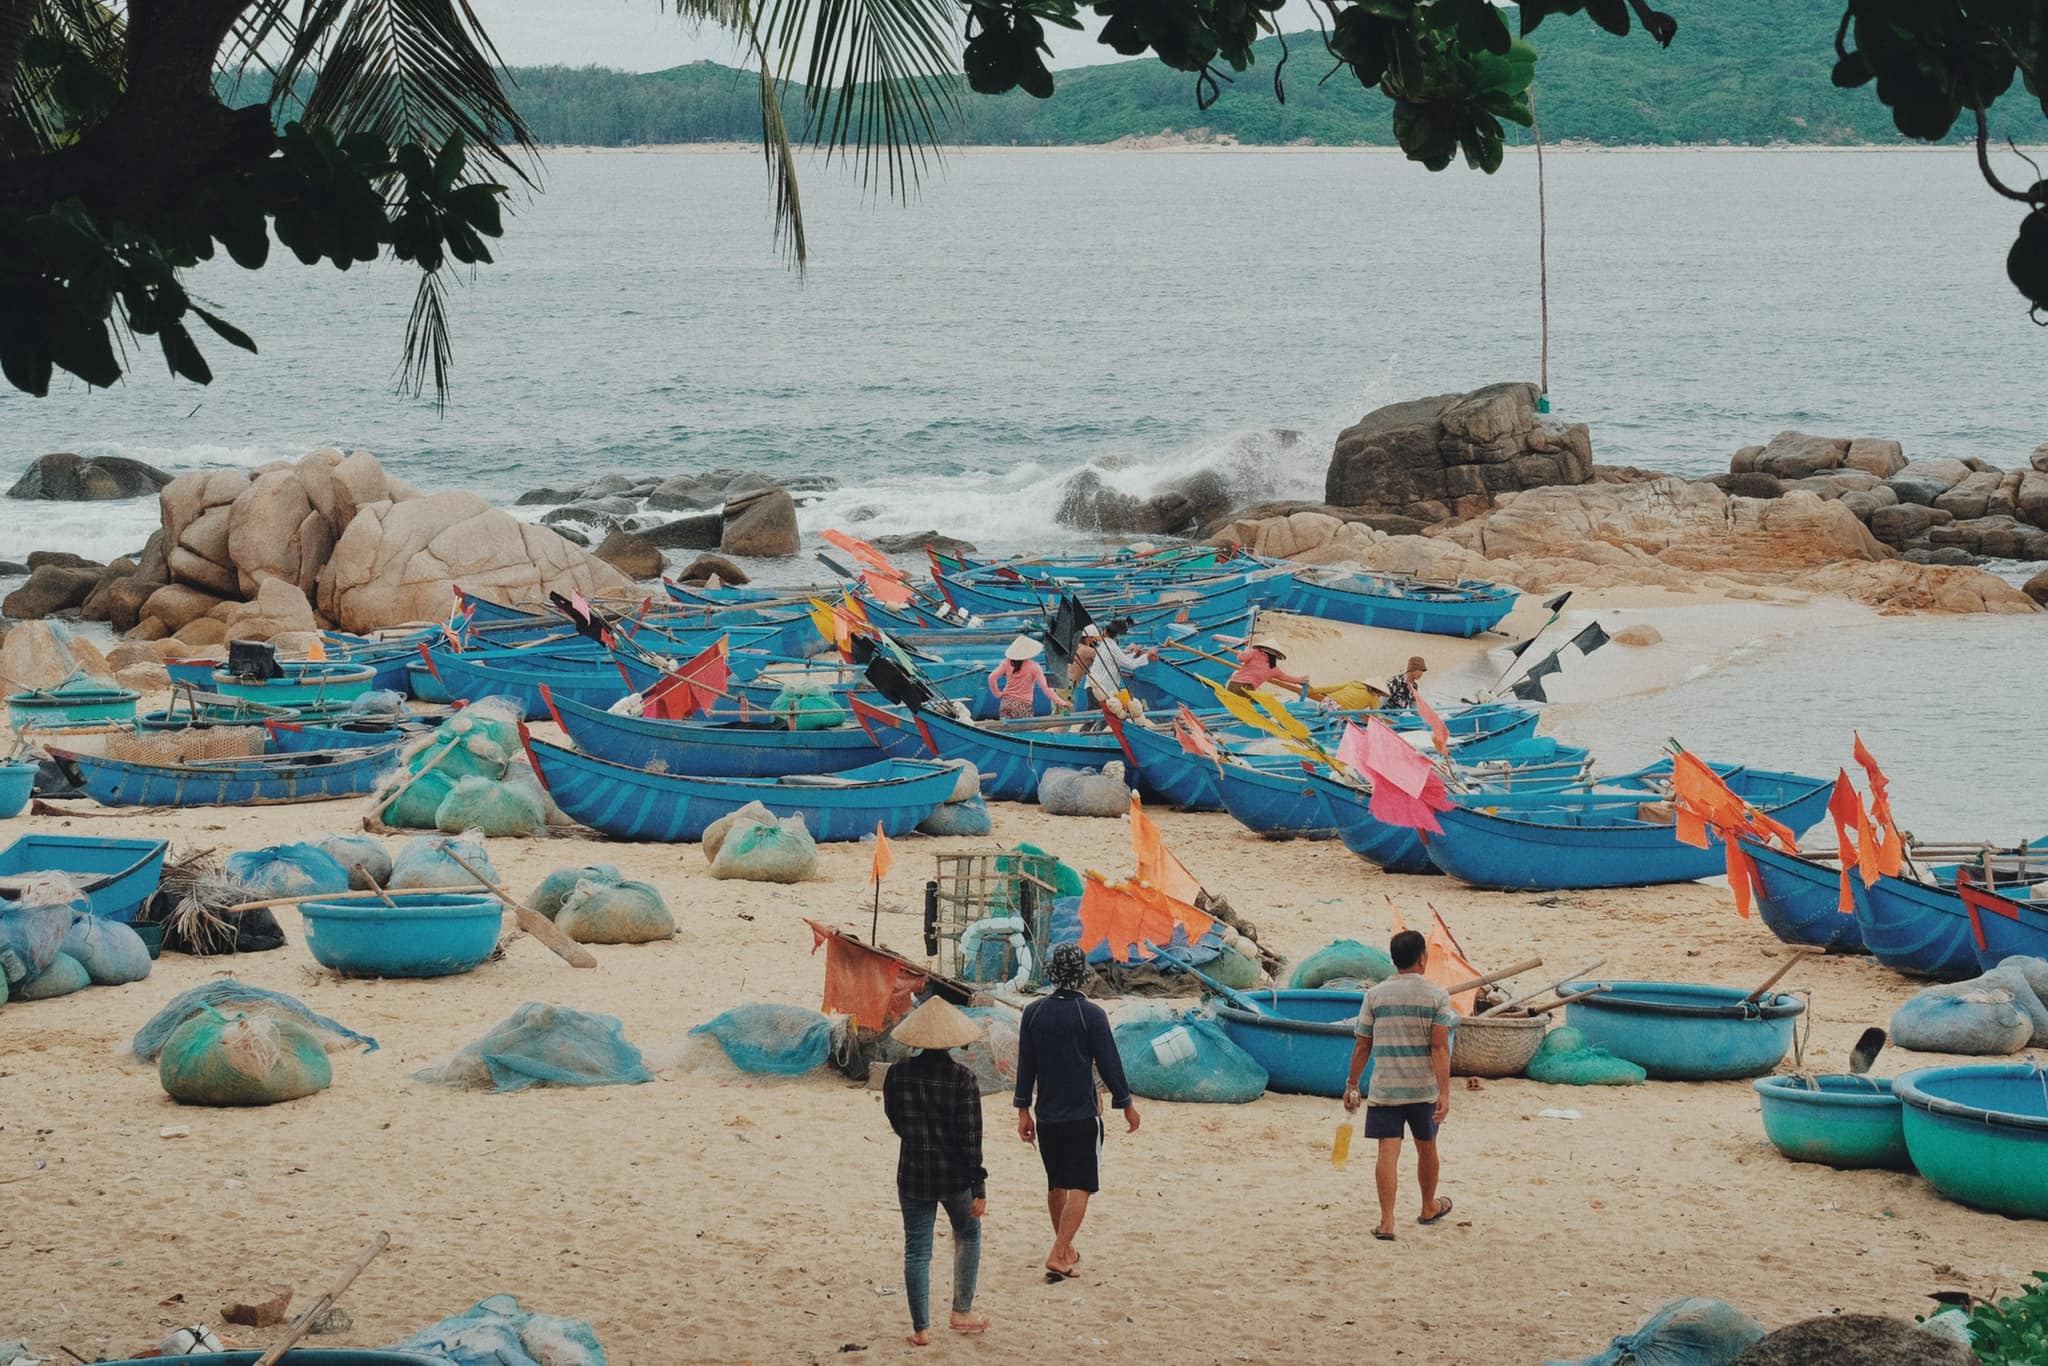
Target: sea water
pixel 955 361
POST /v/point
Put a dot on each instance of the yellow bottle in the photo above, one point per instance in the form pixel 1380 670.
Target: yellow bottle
pixel 1340 1146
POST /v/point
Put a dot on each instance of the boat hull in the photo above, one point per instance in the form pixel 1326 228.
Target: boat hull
pixel 1373 600
pixel 714 750
pixel 1800 901
pixel 118 875
pixel 244 782
pixel 1277 803
pixel 1918 930
pixel 1392 848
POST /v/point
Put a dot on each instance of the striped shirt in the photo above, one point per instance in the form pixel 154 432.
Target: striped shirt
pixel 1398 1016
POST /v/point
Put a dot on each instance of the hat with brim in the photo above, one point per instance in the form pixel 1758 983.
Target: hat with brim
pixel 1269 647
pixel 1416 666
pixel 1090 630
pixel 1023 648
pixel 937 1024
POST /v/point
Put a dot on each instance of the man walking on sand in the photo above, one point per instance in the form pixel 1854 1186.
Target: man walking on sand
pixel 1063 1042
pixel 1404 1029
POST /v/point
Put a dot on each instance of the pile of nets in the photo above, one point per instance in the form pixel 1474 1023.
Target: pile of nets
pixel 365 858
pixel 242 1059
pixel 429 861
pixel 772 1039
pixel 33 927
pixel 552 890
pixel 51 944
pixel 1184 1056
pixel 1991 1015
pixel 1084 792
pixel 499 1333
pixel 807 706
pixel 543 1045
pixel 471 773
pixel 615 912
pixel 751 844
pixel 1566 1059
pixel 288 870
pixel 1697 1332
pixel 963 812
pixel 111 953
pixel 229 996
pixel 1344 960
pixel 1223 955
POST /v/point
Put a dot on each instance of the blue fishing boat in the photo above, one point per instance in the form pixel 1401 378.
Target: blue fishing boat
pixel 1303 1038
pixel 712 749
pixel 636 804
pixel 1201 601
pixel 1170 774
pixel 1916 929
pixel 1396 602
pixel 293 736
pixel 1010 756
pixel 1275 800
pixel 71 705
pixel 262 780
pixel 1799 900
pixel 116 875
pixel 729 593
pixel 303 683
pixel 843 682
pixel 596 681
pixel 2001 926
pixel 1347 807
pixel 1601 839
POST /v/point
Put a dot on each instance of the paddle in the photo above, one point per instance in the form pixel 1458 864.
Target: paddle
pixel 1791 961
pixel 1572 976
pixel 303 1324
pixel 1868 1045
pixel 530 920
pixel 1230 994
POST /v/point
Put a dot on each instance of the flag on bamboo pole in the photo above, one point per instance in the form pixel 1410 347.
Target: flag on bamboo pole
pixel 1590 639
pixel 692 686
pixel 884 859
pixel 1891 847
pixel 1439 733
pixel 1447 965
pixel 1127 916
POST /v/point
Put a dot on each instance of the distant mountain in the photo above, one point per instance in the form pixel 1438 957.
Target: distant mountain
pixel 1743 72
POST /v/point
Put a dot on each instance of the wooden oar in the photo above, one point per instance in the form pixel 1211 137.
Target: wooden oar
pixel 404 787
pixel 1549 1006
pixel 1572 976
pixel 270 903
pixel 1490 978
pixel 303 1324
pixel 1792 961
pixel 530 920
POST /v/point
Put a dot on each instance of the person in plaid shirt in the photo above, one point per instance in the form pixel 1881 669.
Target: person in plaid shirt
pixel 934 1105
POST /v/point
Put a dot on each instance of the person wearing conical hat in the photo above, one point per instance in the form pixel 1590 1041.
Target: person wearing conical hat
pixel 1019 679
pixel 1402 687
pixel 934 1105
pixel 1260 665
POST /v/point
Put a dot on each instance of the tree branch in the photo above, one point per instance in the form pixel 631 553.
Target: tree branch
pixel 1984 163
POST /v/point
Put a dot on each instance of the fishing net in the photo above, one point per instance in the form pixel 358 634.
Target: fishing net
pixel 216 1059
pixel 753 813
pixel 495 719
pixel 771 851
pixel 1970 1018
pixel 32 927
pixel 1695 1332
pixel 808 706
pixel 418 801
pixel 543 1045
pixel 779 1040
pixel 615 913
pixel 364 856
pixel 554 889
pixel 109 951
pixel 1566 1059
pixel 959 818
pixel 1233 969
pixel 1065 881
pixel 424 862
pixel 1186 1058
pixel 378 702
pixel 498 1333
pixel 63 976
pixel 184 746
pixel 1345 958
pixel 992 1057
pixel 287 870
pixel 1084 792
pixel 495 808
pixel 229 995
pixel 967 786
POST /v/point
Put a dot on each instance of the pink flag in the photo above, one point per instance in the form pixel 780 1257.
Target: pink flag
pixel 1406 788
pixel 1390 757
pixel 1351 749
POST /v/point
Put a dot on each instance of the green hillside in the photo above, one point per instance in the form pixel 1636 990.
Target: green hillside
pixel 1741 72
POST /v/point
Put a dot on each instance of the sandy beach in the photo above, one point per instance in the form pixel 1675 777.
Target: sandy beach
pixel 710 1217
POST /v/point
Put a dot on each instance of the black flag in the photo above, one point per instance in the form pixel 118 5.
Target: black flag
pixel 1557 603
pixel 1543 669
pixel 1064 635
pixel 1590 639
pixel 1530 690
pixel 1516 650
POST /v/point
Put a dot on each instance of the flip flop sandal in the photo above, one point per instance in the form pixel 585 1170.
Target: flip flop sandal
pixel 1383 1237
pixel 1443 1208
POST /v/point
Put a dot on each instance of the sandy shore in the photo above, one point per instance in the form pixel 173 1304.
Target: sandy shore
pixel 712 1218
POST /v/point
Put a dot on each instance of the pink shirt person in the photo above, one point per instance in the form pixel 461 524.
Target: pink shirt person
pixel 1019 679
pixel 1260 664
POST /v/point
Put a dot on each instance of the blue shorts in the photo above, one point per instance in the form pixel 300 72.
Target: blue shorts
pixel 1387 1121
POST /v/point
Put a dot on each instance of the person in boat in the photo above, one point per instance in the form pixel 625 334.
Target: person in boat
pixel 1019 679
pixel 1259 665
pixel 1103 663
pixel 934 1105
pixel 1402 687
pixel 1062 1043
pixel 1404 1028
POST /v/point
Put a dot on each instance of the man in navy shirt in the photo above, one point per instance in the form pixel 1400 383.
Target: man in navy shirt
pixel 1063 1042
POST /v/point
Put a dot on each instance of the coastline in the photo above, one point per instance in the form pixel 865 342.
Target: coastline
pixel 1171 141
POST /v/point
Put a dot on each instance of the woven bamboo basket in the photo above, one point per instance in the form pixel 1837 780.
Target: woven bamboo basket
pixel 1498 1046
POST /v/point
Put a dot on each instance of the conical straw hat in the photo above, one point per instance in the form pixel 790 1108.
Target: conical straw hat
pixel 937 1024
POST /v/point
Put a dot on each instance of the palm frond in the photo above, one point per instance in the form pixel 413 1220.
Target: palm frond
pixel 427 346
pixel 31 119
pixel 781 159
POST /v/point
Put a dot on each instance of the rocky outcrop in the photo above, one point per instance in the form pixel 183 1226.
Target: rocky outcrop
pixel 761 525
pixel 68 478
pixel 705 567
pixel 1088 503
pixel 1454 454
pixel 634 556
pixel 50 589
pixel 400 561
pixel 42 654
pixel 2037 588
pixel 917 542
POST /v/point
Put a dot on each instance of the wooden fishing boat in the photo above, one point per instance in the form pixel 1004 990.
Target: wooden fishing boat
pixel 262 780
pixel 1168 773
pixel 597 681
pixel 1600 838
pixel 713 749
pixel 1303 1038
pixel 1396 602
pixel 2001 927
pixel 637 804
pixel 291 736
pixel 1916 929
pixel 1799 900
pixel 843 682
pixel 116 875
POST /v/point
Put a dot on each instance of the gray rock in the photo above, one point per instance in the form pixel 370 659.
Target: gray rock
pixel 96 605
pixel 1970 497
pixel 50 589
pixel 761 526
pixel 2031 500
pixel 573 534
pixel 683 493
pixel 2037 587
pixel 613 505
pixel 11 569
pixel 64 477
pixel 703 567
pixel 1389 523
pixel 1454 453
pixel 1903 522
pixel 1873 456
pixel 1182 505
pixel 916 541
pixel 125 600
pixel 1923 481
pixel 700 532
pixel 60 559
pixel 1863 504
pixel 2039 459
pixel 538 497
pixel 1795 455
pixel 1749 485
pixel 1832 484
pixel 1744 460
pixel 579 514
pixel 1946 554
pixel 605 485
pixel 634 556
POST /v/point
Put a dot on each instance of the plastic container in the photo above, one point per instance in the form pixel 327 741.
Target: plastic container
pixel 61 707
pixel 427 934
pixel 1979 1134
pixel 1839 1121
pixel 1683 1031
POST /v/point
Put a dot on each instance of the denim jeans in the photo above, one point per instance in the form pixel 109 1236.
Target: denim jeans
pixel 919 1216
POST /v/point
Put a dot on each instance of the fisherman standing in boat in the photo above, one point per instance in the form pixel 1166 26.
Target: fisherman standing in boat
pixel 1103 662
pixel 1259 665
pixel 1403 687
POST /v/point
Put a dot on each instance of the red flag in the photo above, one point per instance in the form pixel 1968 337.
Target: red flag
pixel 1194 737
pixel 690 688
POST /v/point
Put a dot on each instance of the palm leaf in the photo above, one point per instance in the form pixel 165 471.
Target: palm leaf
pixel 31 120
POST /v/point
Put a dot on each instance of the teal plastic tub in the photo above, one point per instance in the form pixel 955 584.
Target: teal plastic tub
pixel 307 684
pixel 427 934
pixel 1839 1121
pixel 62 708
pixel 17 785
pixel 1682 1031
pixel 1979 1134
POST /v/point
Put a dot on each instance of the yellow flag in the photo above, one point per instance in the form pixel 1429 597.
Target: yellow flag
pixel 1289 722
pixel 826 620
pixel 1244 711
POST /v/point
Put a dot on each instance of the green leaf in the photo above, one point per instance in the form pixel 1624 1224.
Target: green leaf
pixel 183 356
pixel 225 330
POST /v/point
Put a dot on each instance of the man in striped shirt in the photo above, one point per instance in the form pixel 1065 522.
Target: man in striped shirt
pixel 1404 1030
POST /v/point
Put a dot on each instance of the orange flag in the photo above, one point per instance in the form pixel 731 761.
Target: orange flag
pixel 317 650
pixel 1447 966
pixel 1156 863
pixel 1705 801
pixel 1891 850
pixel 885 857
pixel 1128 916
pixel 1847 809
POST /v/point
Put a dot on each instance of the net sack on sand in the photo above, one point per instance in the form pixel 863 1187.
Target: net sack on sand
pixel 1566 1059
pixel 287 870
pixel 1973 1018
pixel 364 856
pixel 615 913
pixel 780 1040
pixel 1695 1332
pixel 110 952
pixel 32 929
pixel 424 862
pixel 228 996
pixel 808 706
pixel 499 1333
pixel 967 786
pixel 543 1045
pixel 1187 1058
pixel 495 808
pixel 216 1059
pixel 554 889
pixel 1346 958
pixel 964 818
pixel 378 702
pixel 1084 792
pixel 63 976
pixel 1238 971
pixel 774 851
pixel 716 833
pixel 419 798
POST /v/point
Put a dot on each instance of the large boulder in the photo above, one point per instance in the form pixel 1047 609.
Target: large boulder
pixel 2031 499
pixel 1795 455
pixel 1749 484
pixel 1182 505
pixel 1874 456
pixel 700 532
pixel 1454 454
pixel 177 605
pixel 279 606
pixel 69 478
pixel 97 603
pixel 50 589
pixel 275 533
pixel 2037 588
pixel 761 526
pixel 916 542
pixel 634 556
pixel 400 562
pixel 1904 522
pixel 704 567
pixel 42 654
pixel 125 601
pixel 1971 496
pixel 1923 481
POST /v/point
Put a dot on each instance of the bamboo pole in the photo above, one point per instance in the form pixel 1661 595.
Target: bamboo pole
pixel 304 1322
pixel 1490 978
pixel 532 921
pixel 1791 962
